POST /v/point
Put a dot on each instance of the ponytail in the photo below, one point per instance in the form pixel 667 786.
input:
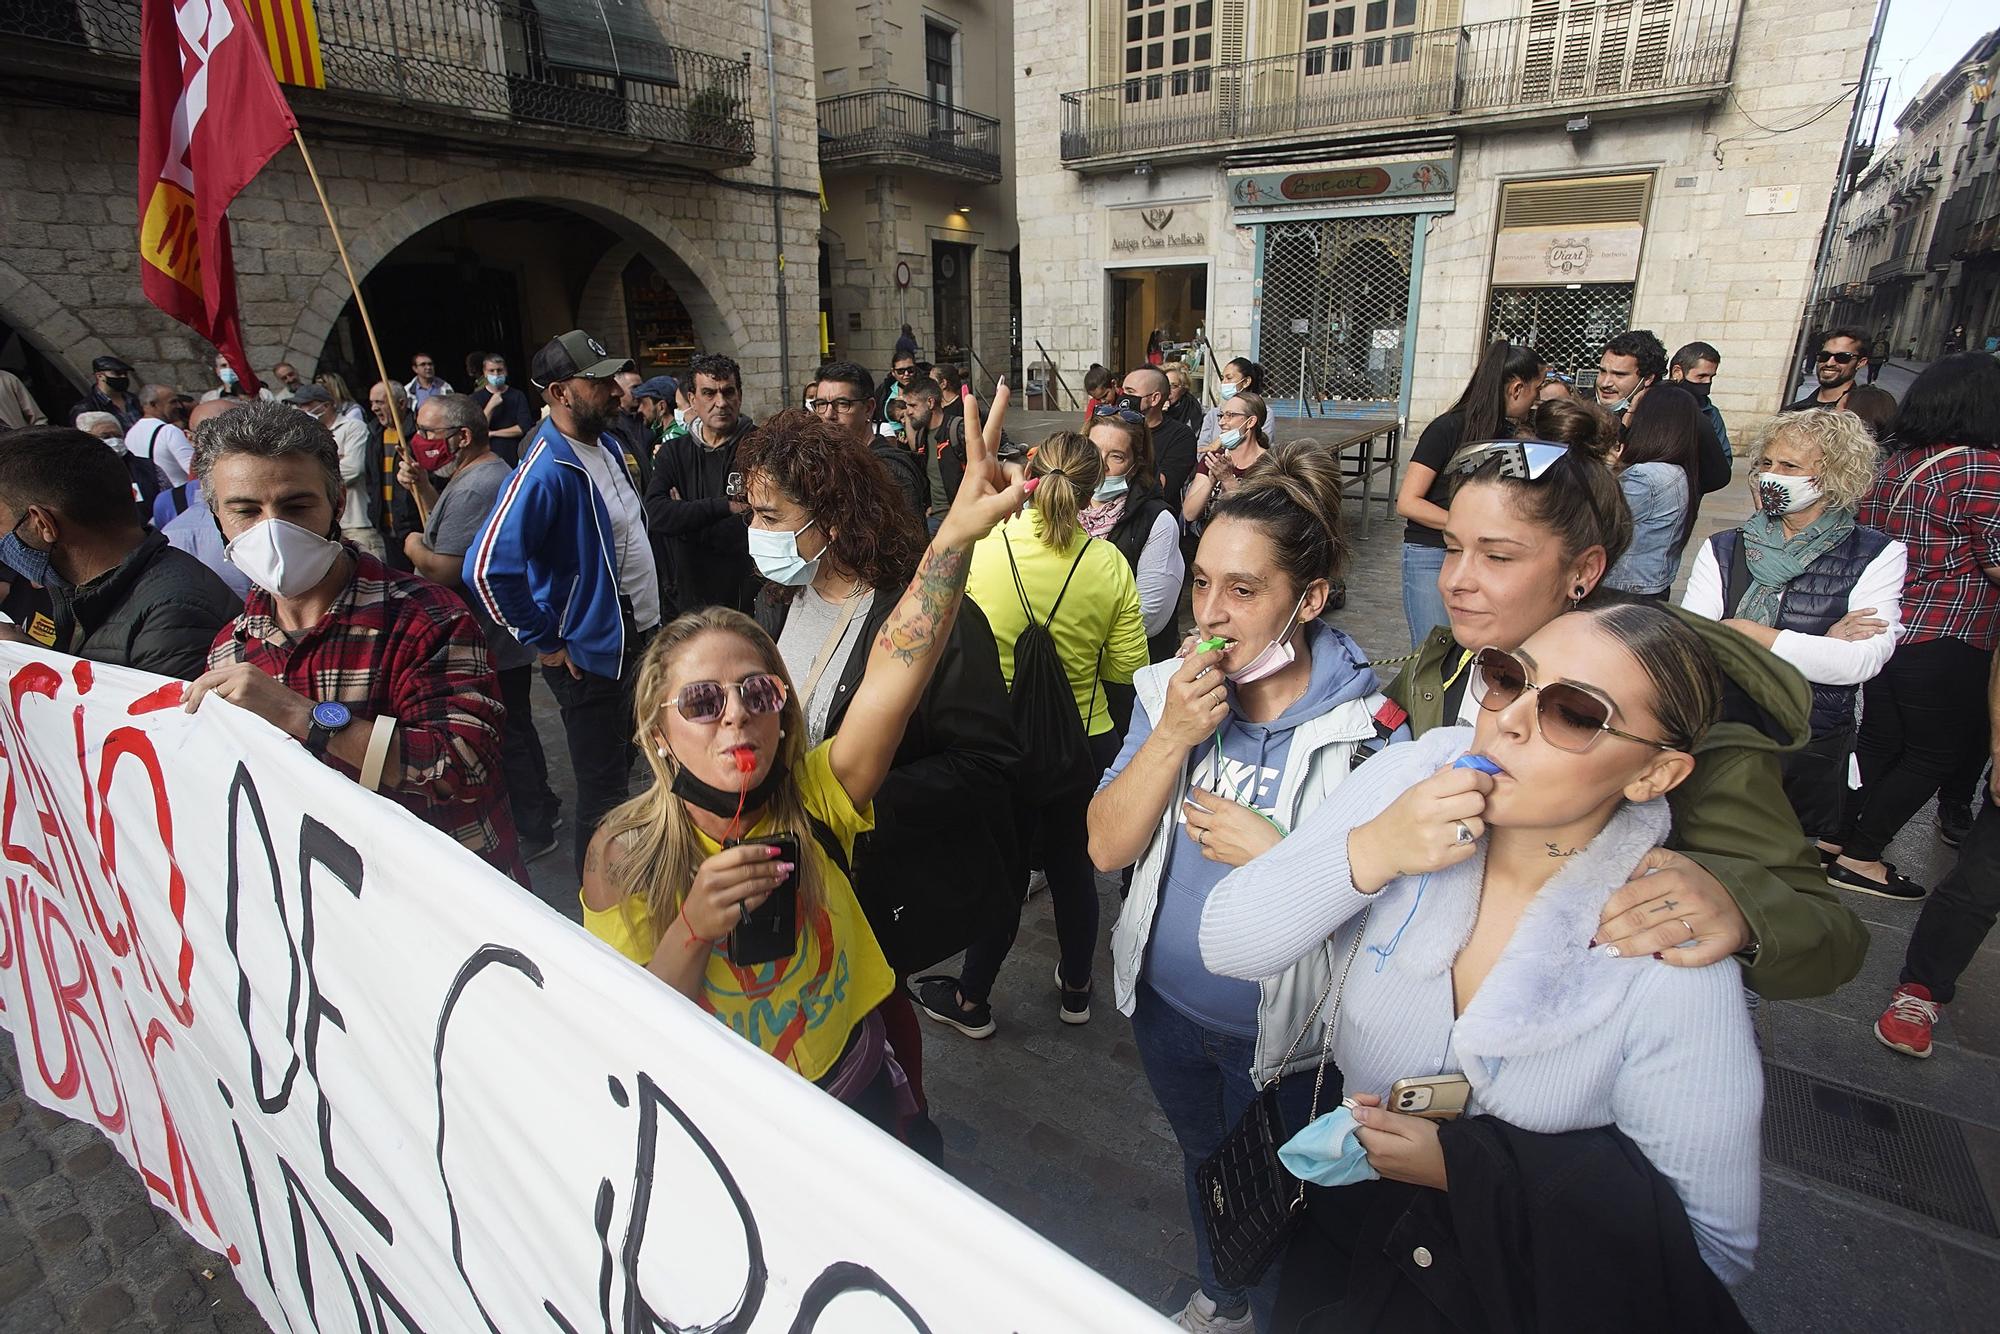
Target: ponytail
pixel 1293 493
pixel 1070 469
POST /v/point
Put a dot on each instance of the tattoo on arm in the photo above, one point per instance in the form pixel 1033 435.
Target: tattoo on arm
pixel 911 632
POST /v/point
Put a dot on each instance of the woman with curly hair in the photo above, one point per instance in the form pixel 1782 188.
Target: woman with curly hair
pixel 764 931
pixel 1801 578
pixel 835 564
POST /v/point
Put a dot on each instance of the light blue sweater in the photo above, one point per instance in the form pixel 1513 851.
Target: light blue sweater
pixel 1559 1036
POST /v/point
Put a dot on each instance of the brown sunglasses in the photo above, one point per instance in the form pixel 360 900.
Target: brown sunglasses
pixel 1571 717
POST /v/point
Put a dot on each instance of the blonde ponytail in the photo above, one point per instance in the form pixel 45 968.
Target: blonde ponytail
pixel 1070 469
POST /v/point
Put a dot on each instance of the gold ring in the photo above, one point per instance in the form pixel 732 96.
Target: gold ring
pixel 1689 929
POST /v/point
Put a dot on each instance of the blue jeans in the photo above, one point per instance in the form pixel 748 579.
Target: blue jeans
pixel 1201 1079
pixel 1423 605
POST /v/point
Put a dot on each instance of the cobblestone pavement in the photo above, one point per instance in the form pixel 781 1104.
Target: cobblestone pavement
pixel 1054 1123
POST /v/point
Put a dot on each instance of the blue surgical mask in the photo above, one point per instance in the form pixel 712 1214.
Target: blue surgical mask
pixel 31 563
pixel 776 553
pixel 1328 1152
pixel 1228 391
pixel 229 376
pixel 1110 489
pixel 496 381
pixel 1230 438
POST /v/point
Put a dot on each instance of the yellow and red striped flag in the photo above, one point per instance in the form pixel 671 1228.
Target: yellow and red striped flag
pixel 290 30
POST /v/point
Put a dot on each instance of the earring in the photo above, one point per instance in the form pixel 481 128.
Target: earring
pixel 660 751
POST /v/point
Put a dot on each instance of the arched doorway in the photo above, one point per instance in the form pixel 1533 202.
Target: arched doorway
pixel 509 275
pixel 52 388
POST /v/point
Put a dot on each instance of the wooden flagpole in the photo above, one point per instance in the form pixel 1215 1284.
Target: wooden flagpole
pixel 367 324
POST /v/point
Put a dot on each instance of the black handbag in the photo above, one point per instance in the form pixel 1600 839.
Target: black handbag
pixel 1249 1202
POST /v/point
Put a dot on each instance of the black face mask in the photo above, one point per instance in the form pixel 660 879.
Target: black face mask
pixel 116 384
pixel 721 801
pixel 1133 403
pixel 1699 388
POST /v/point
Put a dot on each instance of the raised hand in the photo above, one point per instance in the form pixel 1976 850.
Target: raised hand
pixel 985 496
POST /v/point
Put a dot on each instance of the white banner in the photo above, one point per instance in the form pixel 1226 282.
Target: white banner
pixel 400 1094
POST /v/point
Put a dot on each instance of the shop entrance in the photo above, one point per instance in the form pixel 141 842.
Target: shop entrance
pixel 1155 311
pixel 1337 294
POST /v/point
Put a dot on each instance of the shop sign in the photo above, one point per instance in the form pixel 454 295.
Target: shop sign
pixel 1162 229
pixel 1390 180
pixel 1540 256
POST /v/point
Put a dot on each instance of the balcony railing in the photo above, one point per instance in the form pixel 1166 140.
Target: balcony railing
pixel 890 127
pixel 1591 51
pixel 1896 269
pixel 487 60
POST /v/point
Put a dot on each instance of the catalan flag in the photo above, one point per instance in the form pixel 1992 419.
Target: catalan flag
pixel 290 30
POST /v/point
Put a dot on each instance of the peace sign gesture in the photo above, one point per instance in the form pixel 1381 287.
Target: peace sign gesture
pixel 985 497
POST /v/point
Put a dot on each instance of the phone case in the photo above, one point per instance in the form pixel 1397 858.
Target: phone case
pixel 770 931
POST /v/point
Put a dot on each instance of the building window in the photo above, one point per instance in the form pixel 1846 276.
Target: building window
pixel 1168 68
pixel 938 74
pixel 1329 40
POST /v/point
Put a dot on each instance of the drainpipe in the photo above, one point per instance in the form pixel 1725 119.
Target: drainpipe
pixel 778 213
pixel 1839 199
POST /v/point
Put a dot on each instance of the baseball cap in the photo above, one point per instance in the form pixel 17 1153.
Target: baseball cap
pixel 575 353
pixel 662 387
pixel 109 364
pixel 310 393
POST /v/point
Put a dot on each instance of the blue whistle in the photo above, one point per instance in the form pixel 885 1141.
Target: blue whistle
pixel 1479 762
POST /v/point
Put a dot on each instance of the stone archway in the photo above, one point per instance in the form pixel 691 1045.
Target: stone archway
pixel 52 329
pixel 648 230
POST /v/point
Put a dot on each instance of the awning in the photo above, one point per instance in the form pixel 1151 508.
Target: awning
pixel 606 36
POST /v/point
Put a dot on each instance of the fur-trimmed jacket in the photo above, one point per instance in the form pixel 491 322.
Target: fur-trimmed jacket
pixel 1558 1037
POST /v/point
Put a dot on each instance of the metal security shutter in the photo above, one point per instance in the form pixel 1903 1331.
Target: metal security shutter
pixel 618 37
pixel 1348 280
pixel 1575 202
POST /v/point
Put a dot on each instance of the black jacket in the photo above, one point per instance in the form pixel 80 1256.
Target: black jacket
pixel 159 610
pixel 700 544
pixel 1173 452
pixel 907 471
pixel 934 874
pixel 1143 508
pixel 1558 1233
pixel 514 410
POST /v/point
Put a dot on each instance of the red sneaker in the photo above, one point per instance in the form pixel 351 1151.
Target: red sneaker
pixel 1906 1025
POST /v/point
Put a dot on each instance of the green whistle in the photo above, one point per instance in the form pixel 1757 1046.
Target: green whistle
pixel 1208 645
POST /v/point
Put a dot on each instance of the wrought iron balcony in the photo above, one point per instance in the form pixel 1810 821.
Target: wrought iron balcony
pixel 1586 55
pixel 1896 269
pixel 887 127
pixel 439 67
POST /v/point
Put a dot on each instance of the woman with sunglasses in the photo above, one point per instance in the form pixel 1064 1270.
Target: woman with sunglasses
pixel 1495 404
pixel 1241 446
pixel 1531 529
pixel 1231 746
pixel 1925 716
pixel 1468 900
pixel 667 881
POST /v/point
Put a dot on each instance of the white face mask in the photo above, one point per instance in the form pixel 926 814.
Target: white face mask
pixel 1778 496
pixel 776 554
pixel 282 558
pixel 1227 391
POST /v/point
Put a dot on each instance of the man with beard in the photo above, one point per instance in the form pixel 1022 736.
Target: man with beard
pixel 564 565
pixel 1693 369
pixel 699 528
pixel 1843 355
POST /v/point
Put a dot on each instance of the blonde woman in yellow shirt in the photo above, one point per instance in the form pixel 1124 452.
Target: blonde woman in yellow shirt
pixel 675 878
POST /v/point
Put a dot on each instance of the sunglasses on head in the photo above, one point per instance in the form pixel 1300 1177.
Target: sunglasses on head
pixel 705 701
pixel 1839 358
pixel 1525 459
pixel 1570 717
pixel 1122 413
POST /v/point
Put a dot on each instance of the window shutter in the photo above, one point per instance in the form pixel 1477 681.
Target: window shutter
pixel 1578 202
pixel 1538 62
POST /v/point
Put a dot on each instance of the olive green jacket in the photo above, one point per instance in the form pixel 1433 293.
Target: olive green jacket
pixel 1731 814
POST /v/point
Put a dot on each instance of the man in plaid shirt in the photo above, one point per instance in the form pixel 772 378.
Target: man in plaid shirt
pixel 382 675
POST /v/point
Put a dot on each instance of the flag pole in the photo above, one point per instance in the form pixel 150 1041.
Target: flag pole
pixel 367 324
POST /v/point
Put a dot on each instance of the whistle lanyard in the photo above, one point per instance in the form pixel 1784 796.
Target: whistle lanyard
pixel 1215 777
pixel 1459 670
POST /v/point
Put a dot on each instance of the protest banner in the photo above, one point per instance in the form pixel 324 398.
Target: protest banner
pixel 400 1094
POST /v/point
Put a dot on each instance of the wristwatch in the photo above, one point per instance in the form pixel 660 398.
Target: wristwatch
pixel 327 718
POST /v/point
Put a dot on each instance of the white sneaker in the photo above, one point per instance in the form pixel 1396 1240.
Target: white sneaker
pixel 1201 1316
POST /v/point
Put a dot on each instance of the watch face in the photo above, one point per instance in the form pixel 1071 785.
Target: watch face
pixel 331 715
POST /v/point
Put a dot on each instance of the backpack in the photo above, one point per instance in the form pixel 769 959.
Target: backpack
pixel 1055 751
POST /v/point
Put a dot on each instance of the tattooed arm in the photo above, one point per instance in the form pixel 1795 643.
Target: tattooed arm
pixel 906 651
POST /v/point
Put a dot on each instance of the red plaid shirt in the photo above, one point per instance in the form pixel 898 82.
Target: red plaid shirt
pixel 396 644
pixel 1950 519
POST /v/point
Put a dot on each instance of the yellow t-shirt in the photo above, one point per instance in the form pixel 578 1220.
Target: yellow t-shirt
pixel 802 1009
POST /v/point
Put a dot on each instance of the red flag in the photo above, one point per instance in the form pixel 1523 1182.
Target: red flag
pixel 210 117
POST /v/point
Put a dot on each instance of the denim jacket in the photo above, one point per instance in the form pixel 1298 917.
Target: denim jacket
pixel 1658 495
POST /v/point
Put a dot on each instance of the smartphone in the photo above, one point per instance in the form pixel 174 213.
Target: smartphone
pixel 1435 1097
pixel 770 931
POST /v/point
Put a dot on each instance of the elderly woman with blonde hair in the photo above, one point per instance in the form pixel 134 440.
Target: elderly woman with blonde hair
pixel 1804 580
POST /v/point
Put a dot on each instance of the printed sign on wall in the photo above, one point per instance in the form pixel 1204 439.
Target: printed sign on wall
pixel 1545 256
pixel 400 1094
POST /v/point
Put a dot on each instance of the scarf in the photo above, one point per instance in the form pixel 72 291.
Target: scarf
pixel 1097 520
pixel 1775 561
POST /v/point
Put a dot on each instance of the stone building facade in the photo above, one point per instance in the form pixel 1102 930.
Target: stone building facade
pixel 491 195
pixel 1374 188
pixel 917 151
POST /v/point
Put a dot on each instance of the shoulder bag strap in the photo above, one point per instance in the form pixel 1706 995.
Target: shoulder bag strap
pixel 826 650
pixel 1923 468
